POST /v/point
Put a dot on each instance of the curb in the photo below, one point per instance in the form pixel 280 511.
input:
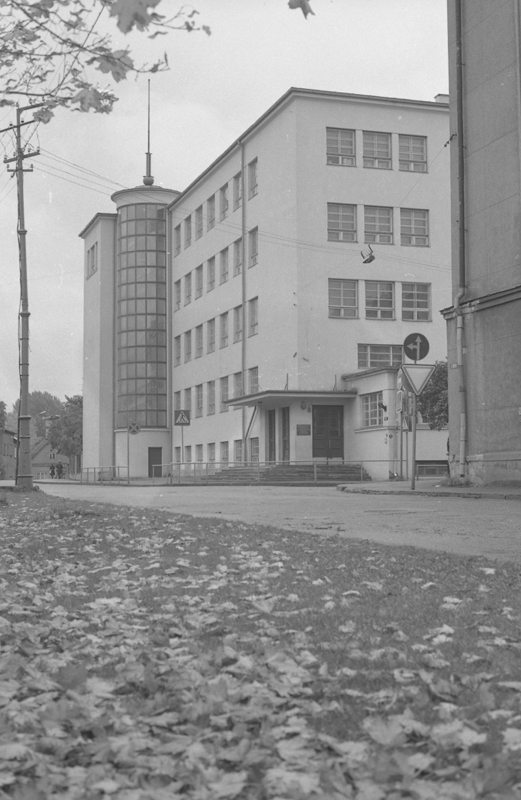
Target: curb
pixel 423 493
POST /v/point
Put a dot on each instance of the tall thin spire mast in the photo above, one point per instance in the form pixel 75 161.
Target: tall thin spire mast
pixel 148 179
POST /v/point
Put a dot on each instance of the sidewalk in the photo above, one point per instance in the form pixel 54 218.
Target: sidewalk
pixel 434 487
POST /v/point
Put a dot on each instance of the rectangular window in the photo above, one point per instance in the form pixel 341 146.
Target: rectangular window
pixel 253 380
pixel 177 240
pixel 237 384
pixel 341 147
pixel 224 266
pixel 412 153
pixel 253 237
pixel 188 454
pixel 414 227
pixel 224 330
pixel 224 394
pixel 188 346
pixel 199 453
pixel 223 194
pixel 378 224
pixel 177 295
pixel 237 450
pixel 224 452
pixel 210 274
pixel 237 191
pixel 237 257
pixel 198 281
pixel 343 299
pixel 211 452
pixel 177 351
pixel 188 399
pixel 377 150
pixel 254 449
pixel 252 179
pixel 198 222
pixel 341 222
pixel 372 410
pixel 210 397
pixel 188 288
pixel 199 341
pixel 178 455
pixel 210 336
pixel 92 259
pixel 253 316
pixel 177 401
pixel 210 213
pixel 416 303
pixel 379 300
pixel 199 400
pixel 237 324
pixel 188 231
pixel 379 355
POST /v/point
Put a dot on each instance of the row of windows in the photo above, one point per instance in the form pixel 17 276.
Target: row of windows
pixel 342 224
pixel 224 452
pixel 229 383
pixel 380 300
pixel 194 223
pixel 197 336
pixel 376 150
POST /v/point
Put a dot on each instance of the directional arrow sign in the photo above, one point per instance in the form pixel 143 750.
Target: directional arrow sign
pixel 182 417
pixel 416 376
pixel 416 346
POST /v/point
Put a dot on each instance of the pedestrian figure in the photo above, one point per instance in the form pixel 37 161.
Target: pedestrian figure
pixel 52 470
pixel 59 469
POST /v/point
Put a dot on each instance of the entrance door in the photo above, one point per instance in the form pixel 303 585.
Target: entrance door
pixel 272 450
pixel 285 433
pixel 328 431
pixel 154 462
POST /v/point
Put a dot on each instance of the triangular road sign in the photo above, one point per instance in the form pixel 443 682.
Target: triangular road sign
pixel 182 417
pixel 417 376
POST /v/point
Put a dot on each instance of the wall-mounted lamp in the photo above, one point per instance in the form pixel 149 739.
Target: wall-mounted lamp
pixel 381 405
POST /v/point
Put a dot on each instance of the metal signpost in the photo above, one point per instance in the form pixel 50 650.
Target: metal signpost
pixel 415 377
pixel 182 418
pixel 132 428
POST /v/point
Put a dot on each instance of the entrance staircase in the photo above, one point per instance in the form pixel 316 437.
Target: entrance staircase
pixel 289 474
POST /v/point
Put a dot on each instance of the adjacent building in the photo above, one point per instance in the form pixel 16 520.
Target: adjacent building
pixel 269 300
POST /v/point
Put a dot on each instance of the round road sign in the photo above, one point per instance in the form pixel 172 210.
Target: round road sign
pixel 416 346
pixel 133 427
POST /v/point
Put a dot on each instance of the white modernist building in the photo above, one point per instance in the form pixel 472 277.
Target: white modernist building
pixel 270 298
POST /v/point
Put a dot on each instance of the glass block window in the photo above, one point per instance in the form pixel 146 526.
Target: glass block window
pixel 210 335
pixel 416 301
pixel 253 237
pixel 188 288
pixel 177 351
pixel 377 150
pixel 343 298
pixel 223 195
pixel 224 393
pixel 224 266
pixel 372 410
pixel 237 191
pixel 414 227
pixel 237 257
pixel 210 397
pixel 177 295
pixel 237 324
pixel 198 222
pixel 199 341
pixel 210 212
pixel 379 300
pixel 341 222
pixel 188 399
pixel 237 450
pixel 199 400
pixel 224 330
pixel 188 346
pixel 198 281
pixel 210 274
pixel 224 452
pixel 341 147
pixel 412 153
pixel 378 224
pixel 253 380
pixel 177 240
pixel 379 355
pixel 252 179
pixel 253 316
pixel 188 231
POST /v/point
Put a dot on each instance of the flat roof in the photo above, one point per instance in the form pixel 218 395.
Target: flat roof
pixel 286 395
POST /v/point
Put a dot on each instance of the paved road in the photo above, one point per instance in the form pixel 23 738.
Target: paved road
pixel 487 526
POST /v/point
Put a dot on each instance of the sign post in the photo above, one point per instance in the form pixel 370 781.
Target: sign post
pixel 415 377
pixel 132 428
pixel 182 418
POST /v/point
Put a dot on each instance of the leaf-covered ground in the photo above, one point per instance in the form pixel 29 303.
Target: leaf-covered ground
pixel 150 656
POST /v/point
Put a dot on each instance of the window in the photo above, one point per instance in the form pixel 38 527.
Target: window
pixel 177 240
pixel 224 452
pixel 341 222
pixel 210 396
pixel 224 266
pixel 253 316
pixel 237 324
pixel 199 400
pixel 412 153
pixel 253 380
pixel 92 259
pixel 211 452
pixel 377 150
pixel 416 303
pixel 237 257
pixel 379 355
pixel 177 351
pixel 188 399
pixel 378 224
pixel 188 231
pixel 379 300
pixel 414 227
pixel 343 299
pixel 372 410
pixel 237 384
pixel 254 449
pixel 237 191
pixel 177 295
pixel 178 455
pixel 177 401
pixel 210 274
pixel 252 179
pixel 224 201
pixel 224 394
pixel 198 222
pixel 237 450
pixel 188 346
pixel 254 245
pixel 340 147
pixel 210 336
pixel 199 341
pixel 210 212
pixel 198 281
pixel 199 453
pixel 188 454
pixel 188 288
pixel 224 330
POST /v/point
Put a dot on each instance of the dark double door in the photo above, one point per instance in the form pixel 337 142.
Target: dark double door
pixel 328 432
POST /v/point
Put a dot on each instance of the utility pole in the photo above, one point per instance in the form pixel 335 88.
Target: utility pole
pixel 24 473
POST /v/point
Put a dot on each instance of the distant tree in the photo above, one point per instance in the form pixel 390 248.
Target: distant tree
pixel 41 405
pixel 3 421
pixel 66 433
pixel 433 403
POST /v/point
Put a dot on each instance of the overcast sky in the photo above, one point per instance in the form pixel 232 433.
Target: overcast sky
pixel 216 88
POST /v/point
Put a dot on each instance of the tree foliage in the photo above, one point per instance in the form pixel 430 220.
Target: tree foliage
pixel 41 405
pixel 65 433
pixel 52 52
pixel 433 403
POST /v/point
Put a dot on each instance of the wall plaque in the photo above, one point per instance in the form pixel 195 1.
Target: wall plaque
pixel 303 430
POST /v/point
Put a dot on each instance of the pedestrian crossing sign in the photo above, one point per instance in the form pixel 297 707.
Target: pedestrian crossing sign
pixel 182 417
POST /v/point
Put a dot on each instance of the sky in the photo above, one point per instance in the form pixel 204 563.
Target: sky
pixel 217 86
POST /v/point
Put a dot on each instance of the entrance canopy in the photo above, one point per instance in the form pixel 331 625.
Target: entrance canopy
pixel 276 398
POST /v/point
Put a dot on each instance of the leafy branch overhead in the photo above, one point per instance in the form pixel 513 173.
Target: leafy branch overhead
pixel 53 52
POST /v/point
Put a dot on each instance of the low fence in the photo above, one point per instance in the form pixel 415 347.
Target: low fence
pixel 104 475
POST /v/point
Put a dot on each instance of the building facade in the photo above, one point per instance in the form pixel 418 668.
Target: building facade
pixel 269 298
pixel 484 321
